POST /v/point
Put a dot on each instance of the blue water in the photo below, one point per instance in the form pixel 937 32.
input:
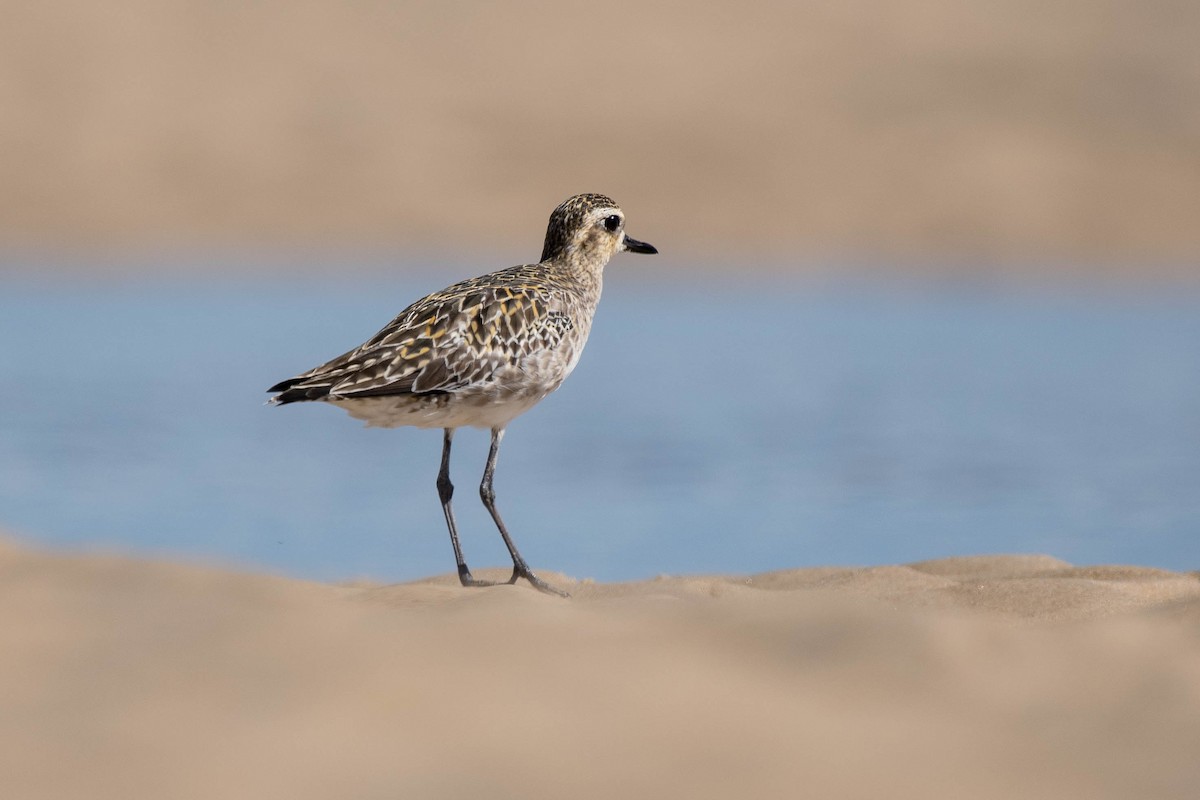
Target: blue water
pixel 711 426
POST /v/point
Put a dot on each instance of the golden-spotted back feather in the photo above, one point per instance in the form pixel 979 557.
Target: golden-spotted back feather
pixel 452 339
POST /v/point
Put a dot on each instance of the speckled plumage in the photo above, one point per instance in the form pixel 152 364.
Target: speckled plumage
pixel 483 351
pixel 473 354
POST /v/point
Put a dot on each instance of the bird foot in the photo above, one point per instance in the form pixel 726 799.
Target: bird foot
pixel 538 583
pixel 466 579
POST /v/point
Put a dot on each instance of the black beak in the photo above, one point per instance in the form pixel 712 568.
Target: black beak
pixel 634 246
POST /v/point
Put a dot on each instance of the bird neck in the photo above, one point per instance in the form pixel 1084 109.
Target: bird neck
pixel 587 274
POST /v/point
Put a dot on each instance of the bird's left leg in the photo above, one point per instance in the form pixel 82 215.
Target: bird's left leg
pixel 520 568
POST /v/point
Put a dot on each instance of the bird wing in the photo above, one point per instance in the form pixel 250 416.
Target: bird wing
pixel 444 342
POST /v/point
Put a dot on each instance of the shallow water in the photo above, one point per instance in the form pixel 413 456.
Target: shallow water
pixel 716 427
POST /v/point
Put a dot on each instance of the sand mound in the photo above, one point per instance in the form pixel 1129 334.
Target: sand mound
pixel 998 676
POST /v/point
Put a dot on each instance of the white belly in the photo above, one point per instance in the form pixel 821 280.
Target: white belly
pixel 492 404
pixel 398 411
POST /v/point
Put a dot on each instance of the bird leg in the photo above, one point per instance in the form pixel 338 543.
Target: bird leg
pixel 520 568
pixel 445 492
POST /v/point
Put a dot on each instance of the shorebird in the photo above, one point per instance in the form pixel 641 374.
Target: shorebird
pixel 481 352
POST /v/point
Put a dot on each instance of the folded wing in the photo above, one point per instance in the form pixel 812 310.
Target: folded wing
pixel 443 343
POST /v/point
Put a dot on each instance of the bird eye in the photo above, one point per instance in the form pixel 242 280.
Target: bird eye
pixel 611 223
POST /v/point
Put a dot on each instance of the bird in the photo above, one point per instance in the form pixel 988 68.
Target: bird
pixel 480 353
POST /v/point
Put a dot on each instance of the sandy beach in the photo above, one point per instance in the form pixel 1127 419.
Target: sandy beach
pixel 986 677
pixel 1012 134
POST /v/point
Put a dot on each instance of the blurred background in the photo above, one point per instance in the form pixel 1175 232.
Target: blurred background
pixel 928 284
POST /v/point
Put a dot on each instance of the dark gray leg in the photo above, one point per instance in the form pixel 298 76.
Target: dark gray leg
pixel 445 492
pixel 520 568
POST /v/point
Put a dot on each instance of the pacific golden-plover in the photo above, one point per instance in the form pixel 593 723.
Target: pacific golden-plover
pixel 481 352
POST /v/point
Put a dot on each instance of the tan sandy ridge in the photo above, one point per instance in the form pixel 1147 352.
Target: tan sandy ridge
pixel 986 677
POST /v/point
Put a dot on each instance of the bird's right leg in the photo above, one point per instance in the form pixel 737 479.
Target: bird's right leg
pixel 445 492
